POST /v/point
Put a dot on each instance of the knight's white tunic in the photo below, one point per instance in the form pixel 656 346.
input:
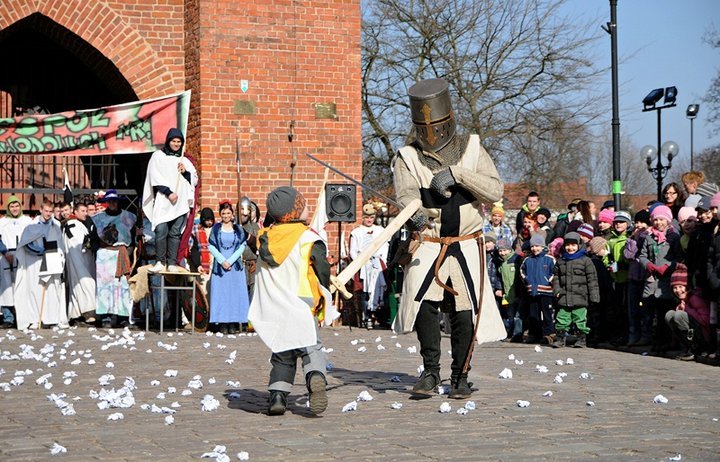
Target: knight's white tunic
pixel 458 216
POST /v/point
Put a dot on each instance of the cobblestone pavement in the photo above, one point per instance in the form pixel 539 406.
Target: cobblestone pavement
pixel 623 423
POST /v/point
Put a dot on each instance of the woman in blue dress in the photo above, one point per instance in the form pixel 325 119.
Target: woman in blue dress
pixel 229 302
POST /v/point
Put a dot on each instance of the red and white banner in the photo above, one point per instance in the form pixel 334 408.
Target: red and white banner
pixel 131 128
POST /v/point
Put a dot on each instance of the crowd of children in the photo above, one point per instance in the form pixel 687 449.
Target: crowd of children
pixel 604 278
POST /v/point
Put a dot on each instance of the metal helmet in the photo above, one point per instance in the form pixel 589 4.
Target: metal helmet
pixel 432 114
pixel 245 205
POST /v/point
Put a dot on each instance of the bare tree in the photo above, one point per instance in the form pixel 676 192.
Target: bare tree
pixel 709 162
pixel 712 97
pixel 508 62
pixel 634 173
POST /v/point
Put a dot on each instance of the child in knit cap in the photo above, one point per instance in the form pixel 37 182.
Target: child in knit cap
pixel 659 252
pixel 687 217
pixel 575 285
pixel 603 319
pixel 690 321
pixel 543 218
pixel 604 223
pixel 639 319
pixel 586 233
pixel 537 273
pixel 492 261
pixel 509 271
pixel 291 298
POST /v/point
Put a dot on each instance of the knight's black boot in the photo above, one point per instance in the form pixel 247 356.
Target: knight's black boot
pixel 460 341
pixel 317 394
pixel 426 383
pixel 277 404
pixel 460 388
pixel 427 326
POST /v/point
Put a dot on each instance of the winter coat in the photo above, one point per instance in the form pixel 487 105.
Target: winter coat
pixel 659 254
pixel 537 272
pixel 697 255
pixel 576 282
pixel 495 282
pixel 631 252
pixel 616 245
pixel 605 282
pixel 713 267
pixel 510 276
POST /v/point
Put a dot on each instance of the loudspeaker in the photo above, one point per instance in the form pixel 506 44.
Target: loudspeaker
pixel 340 202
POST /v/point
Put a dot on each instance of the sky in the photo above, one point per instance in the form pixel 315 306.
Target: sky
pixel 659 45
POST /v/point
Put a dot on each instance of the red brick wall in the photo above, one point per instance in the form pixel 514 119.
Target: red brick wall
pixel 294 54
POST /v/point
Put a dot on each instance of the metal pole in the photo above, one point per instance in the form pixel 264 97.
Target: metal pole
pixel 617 180
pixel 692 165
pixel 658 173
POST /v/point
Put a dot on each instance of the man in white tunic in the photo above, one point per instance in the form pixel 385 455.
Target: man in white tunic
pixel 39 286
pixel 168 196
pixel 80 265
pixel 371 275
pixel 11 227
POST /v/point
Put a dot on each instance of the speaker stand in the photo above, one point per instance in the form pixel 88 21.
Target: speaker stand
pixel 339 266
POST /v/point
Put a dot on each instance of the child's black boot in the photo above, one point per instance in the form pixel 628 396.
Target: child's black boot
pixel 318 395
pixel 277 404
pixel 581 341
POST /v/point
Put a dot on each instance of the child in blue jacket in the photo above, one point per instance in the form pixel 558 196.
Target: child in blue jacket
pixel 537 273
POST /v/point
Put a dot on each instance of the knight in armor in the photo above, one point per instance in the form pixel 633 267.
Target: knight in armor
pixel 453 175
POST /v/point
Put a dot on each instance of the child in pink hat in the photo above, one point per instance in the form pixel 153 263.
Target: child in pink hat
pixel 658 255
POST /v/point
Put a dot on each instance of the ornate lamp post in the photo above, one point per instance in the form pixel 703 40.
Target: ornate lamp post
pixel 670 150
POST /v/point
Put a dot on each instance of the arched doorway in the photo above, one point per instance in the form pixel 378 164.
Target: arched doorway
pixel 47 68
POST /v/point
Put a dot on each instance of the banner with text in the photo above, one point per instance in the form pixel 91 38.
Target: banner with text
pixel 131 128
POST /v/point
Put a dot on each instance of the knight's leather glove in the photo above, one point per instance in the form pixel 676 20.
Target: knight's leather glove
pixel 417 222
pixel 442 181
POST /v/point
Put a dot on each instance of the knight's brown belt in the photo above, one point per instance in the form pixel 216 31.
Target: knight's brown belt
pixel 445 243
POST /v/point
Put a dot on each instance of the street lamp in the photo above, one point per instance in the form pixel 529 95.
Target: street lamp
pixel 670 148
pixel 691 113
